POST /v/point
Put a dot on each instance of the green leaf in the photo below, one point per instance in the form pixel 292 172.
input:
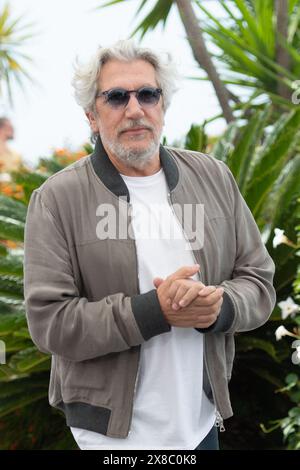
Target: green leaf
pixel 6 374
pixel 224 146
pixel 242 155
pixel 158 14
pixel 11 229
pixel 196 138
pixel 265 374
pixel 111 3
pixel 10 404
pixel 294 412
pixel 271 163
pixel 248 343
pixel 28 359
pixel 14 344
pixel 51 165
pixel 295 396
pixel 291 379
pixel 3 250
pixel 12 265
pixel 11 287
pixel 22 332
pixel 13 209
pixel 10 323
pixel 294 22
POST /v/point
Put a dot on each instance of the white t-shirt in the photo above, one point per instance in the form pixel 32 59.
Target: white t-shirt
pixel 170 410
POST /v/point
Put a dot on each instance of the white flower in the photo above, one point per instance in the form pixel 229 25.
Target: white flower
pixel 296 354
pixel 279 237
pixel 280 332
pixel 288 307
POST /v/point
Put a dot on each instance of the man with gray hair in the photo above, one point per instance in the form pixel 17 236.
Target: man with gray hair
pixel 141 263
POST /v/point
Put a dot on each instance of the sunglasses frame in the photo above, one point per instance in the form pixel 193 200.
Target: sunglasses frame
pixel 128 92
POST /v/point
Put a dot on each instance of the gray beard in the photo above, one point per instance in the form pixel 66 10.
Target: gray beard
pixel 133 158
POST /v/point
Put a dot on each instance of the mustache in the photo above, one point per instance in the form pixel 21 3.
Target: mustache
pixel 133 124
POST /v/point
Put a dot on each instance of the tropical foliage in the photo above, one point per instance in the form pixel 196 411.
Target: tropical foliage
pixel 254 68
pixel 24 378
pixel 266 164
pixel 290 424
pixel 254 51
pixel 13 35
pixel 256 47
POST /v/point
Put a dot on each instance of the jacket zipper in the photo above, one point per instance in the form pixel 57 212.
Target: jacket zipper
pixel 134 391
pixel 219 422
pixel 138 290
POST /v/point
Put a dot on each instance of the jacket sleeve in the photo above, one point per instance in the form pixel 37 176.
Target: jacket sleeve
pixel 249 296
pixel 62 322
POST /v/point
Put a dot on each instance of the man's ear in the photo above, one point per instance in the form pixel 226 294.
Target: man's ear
pixel 92 120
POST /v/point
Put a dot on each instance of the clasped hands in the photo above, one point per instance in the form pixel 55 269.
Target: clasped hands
pixel 188 303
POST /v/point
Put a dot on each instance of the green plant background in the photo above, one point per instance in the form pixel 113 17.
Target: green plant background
pixel 261 147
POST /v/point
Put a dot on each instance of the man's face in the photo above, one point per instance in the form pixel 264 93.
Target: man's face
pixel 131 133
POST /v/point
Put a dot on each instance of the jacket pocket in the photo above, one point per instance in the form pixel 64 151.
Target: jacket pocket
pixel 107 267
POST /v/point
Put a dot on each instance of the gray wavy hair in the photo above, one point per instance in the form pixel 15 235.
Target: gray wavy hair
pixel 85 79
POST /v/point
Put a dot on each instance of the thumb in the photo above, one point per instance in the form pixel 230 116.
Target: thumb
pixel 157 281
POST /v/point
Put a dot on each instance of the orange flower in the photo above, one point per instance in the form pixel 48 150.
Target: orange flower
pixel 9 244
pixel 60 152
pixel 80 154
pixel 7 190
pixel 12 189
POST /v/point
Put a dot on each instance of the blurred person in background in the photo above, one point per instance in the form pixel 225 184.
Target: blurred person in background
pixel 10 160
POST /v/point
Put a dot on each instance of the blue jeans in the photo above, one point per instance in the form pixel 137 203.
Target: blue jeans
pixel 211 441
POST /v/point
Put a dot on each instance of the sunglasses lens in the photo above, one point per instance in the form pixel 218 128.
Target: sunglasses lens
pixel 148 96
pixel 118 97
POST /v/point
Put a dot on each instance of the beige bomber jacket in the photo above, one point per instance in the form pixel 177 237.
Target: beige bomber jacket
pixel 82 296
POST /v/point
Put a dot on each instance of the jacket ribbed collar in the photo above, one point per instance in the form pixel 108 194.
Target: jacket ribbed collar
pixel 111 178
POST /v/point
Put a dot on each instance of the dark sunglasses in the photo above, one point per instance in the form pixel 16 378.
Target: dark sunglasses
pixel 119 97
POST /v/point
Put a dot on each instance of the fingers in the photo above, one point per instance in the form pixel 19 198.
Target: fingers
pixel 174 288
pixel 179 289
pixel 210 295
pixel 213 309
pixel 206 290
pixel 190 295
pixel 199 319
pixel 178 295
pixel 194 316
pixel 185 295
pixel 183 273
pixel 206 320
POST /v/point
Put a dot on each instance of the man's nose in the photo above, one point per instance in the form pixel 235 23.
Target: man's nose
pixel 133 109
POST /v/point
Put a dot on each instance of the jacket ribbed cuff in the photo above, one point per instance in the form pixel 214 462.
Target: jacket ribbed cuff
pixel 148 314
pixel 224 320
